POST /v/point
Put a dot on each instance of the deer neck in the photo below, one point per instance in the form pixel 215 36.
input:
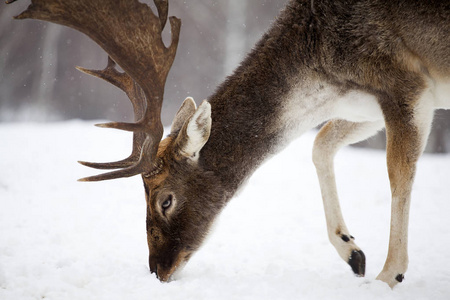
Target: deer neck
pixel 265 104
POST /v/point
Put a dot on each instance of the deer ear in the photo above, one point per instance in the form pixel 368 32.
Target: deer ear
pixel 186 110
pixel 195 132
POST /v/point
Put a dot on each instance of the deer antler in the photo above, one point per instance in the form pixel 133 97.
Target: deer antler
pixel 137 98
pixel 130 33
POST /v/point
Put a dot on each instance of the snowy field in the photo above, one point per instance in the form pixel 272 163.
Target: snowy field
pixel 62 239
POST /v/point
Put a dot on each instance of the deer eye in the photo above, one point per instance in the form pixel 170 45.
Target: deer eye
pixel 167 203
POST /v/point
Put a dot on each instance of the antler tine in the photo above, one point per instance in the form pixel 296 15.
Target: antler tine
pixel 124 82
pixel 140 167
pixel 110 74
pixel 137 98
pixel 136 45
pixel 163 11
pixel 125 172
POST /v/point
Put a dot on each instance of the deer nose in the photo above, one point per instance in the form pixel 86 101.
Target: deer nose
pixel 162 273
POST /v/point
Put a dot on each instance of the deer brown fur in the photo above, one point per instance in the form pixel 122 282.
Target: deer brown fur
pixel 359 65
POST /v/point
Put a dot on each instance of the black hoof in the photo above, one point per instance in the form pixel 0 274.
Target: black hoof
pixel 400 277
pixel 358 263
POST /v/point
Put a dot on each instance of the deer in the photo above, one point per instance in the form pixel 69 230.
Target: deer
pixel 357 66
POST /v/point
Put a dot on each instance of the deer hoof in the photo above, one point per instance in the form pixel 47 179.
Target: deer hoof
pixel 390 278
pixel 357 262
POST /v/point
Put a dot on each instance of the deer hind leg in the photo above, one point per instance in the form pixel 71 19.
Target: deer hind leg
pixel 334 135
pixel 406 139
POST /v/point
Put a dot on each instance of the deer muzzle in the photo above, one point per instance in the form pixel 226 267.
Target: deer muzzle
pixel 165 268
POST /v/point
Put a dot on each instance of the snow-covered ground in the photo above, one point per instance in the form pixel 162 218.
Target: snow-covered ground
pixel 62 239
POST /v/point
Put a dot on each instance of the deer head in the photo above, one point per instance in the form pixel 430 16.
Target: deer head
pixel 130 33
pixel 181 206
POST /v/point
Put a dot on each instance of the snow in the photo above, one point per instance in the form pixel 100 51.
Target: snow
pixel 63 239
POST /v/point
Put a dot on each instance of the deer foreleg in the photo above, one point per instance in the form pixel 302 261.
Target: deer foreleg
pixel 406 140
pixel 334 135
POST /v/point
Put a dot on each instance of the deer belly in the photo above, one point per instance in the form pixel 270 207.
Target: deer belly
pixel 357 106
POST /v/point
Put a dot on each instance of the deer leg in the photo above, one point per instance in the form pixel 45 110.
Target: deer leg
pixel 334 135
pixel 406 140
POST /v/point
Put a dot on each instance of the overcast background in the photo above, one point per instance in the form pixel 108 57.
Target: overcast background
pixel 39 82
